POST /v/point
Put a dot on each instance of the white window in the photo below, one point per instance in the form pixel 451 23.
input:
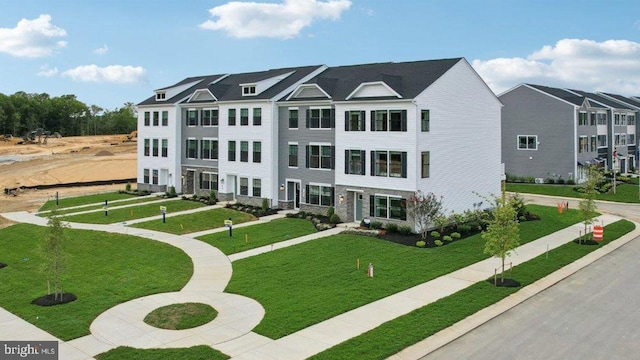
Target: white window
pixel 388 207
pixel 616 139
pixel 320 118
pixel 389 163
pixel 319 194
pixel 582 118
pixel 192 149
pixel 248 90
pixel 631 119
pixel 623 139
pixel 256 190
pixel 208 181
pixel 209 149
pixel 631 139
pixel 602 119
pixel 527 142
pixel 192 117
pixel 602 141
pixel 161 95
pixel 320 156
pixel 209 117
pixel 293 155
pixel 583 144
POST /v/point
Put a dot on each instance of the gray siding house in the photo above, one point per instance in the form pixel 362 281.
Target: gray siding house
pixel 552 133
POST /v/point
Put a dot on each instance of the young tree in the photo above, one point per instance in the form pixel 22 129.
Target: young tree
pixel 424 208
pixel 503 232
pixel 587 205
pixel 56 257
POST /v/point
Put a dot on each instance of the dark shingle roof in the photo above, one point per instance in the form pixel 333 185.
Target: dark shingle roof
pixel 229 88
pixel 627 100
pixel 560 93
pixel 408 79
pixel 602 100
pixel 203 82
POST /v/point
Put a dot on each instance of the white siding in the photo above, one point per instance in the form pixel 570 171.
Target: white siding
pixel 172 133
pixel 463 141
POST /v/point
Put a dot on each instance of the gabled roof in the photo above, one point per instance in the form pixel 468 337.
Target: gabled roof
pixel 200 82
pixel 230 89
pixel 623 99
pixel 406 79
pixel 602 100
pixel 565 95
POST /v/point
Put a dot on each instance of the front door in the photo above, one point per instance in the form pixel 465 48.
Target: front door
pixel 232 186
pixel 357 211
pixel 293 193
pixel 623 166
pixel 297 202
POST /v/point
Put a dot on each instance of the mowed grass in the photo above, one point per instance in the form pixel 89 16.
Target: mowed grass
pixel 64 202
pixel 314 281
pixel 254 236
pixel 181 316
pixel 201 352
pixel 203 220
pixel 137 212
pixel 101 206
pixel 103 270
pixel 395 335
pixel 627 193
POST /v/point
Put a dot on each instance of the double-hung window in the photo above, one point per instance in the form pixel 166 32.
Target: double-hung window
pixel 424 120
pixel 389 120
pixel 244 117
pixel 527 142
pixel 206 117
pixel 147 146
pixel 320 156
pixel 387 207
pixel 592 119
pixel 257 116
pixel 155 147
pixel 165 118
pixel 192 149
pixel 244 186
pixel 354 121
pixel 293 118
pixel 156 118
pixel 319 195
pixel 145 176
pixel 320 118
pixel 257 188
pixel 192 117
pixel 231 117
pixel 257 151
pixel 147 118
pixel 389 163
pixel 209 149
pixel 231 151
pixel 583 144
pixel 244 151
pixel 354 162
pixel 208 181
pixel 602 141
pixel 582 118
pixel 602 119
pixel 293 155
pixel 154 177
pixel 425 164
pixel 165 148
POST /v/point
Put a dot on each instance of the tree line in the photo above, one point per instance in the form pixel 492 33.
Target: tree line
pixel 21 113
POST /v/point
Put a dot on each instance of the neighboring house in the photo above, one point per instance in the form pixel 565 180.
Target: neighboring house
pixel 552 133
pixel 360 138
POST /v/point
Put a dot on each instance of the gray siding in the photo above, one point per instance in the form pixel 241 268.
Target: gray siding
pixel 303 136
pixel 529 112
pixel 587 130
pixel 198 132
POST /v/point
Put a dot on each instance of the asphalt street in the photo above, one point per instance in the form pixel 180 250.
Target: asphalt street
pixel 593 314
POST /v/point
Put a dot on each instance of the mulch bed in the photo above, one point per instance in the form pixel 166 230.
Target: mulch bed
pixel 49 300
pixel 505 283
pixel 2 265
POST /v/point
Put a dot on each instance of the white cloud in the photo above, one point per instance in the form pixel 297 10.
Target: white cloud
pixel 284 20
pixel 117 74
pixel 47 71
pixel 612 65
pixel 101 50
pixel 32 38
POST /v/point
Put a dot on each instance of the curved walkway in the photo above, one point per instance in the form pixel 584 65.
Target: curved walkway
pixel 123 324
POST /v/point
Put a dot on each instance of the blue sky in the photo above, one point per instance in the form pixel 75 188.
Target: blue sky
pixel 108 52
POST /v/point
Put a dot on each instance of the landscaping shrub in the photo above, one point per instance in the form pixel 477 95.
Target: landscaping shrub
pixel 455 235
pixel 438 242
pixel 334 219
pixel 127 187
pixel 391 227
pixel 570 182
pixel 212 197
pixel 376 225
pixel 171 192
pixel 447 238
pixel 421 243
pixel 435 234
pixel 405 230
pixel 560 181
pixel 464 228
pixel 330 212
pixel 265 205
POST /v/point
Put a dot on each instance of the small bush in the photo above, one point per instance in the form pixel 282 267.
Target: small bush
pixel 334 219
pixel 376 225
pixel 421 243
pixel 570 182
pixel 391 227
pixel 330 212
pixel 455 235
pixel 405 230
pixel 549 181
pixel 265 205
pixel 464 228
pixel 302 214
pixel 447 238
pixel 438 242
pixel 560 181
pixel 127 187
pixel 435 234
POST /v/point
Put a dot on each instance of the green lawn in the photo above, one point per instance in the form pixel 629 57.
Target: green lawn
pixel 393 336
pixel 203 220
pixel 319 278
pixel 103 270
pixel 138 212
pixel 83 200
pixel 193 353
pixel 100 206
pixel 181 316
pixel 254 236
pixel 624 192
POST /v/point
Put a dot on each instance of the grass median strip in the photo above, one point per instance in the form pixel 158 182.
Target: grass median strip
pixel 141 200
pixel 137 212
pixel 202 220
pixel 627 193
pixel 311 282
pixel 181 316
pixel 254 236
pixel 103 270
pixel 64 202
pixel 192 353
pixel 393 336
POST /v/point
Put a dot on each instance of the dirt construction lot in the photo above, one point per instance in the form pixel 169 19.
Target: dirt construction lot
pixel 62 160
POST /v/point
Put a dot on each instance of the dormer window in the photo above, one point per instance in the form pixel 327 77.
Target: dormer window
pixel 161 95
pixel 248 90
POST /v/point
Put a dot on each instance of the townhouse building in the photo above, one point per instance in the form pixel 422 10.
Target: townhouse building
pixel 360 138
pixel 553 133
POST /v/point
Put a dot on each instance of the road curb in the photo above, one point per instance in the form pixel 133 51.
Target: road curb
pixel 445 336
